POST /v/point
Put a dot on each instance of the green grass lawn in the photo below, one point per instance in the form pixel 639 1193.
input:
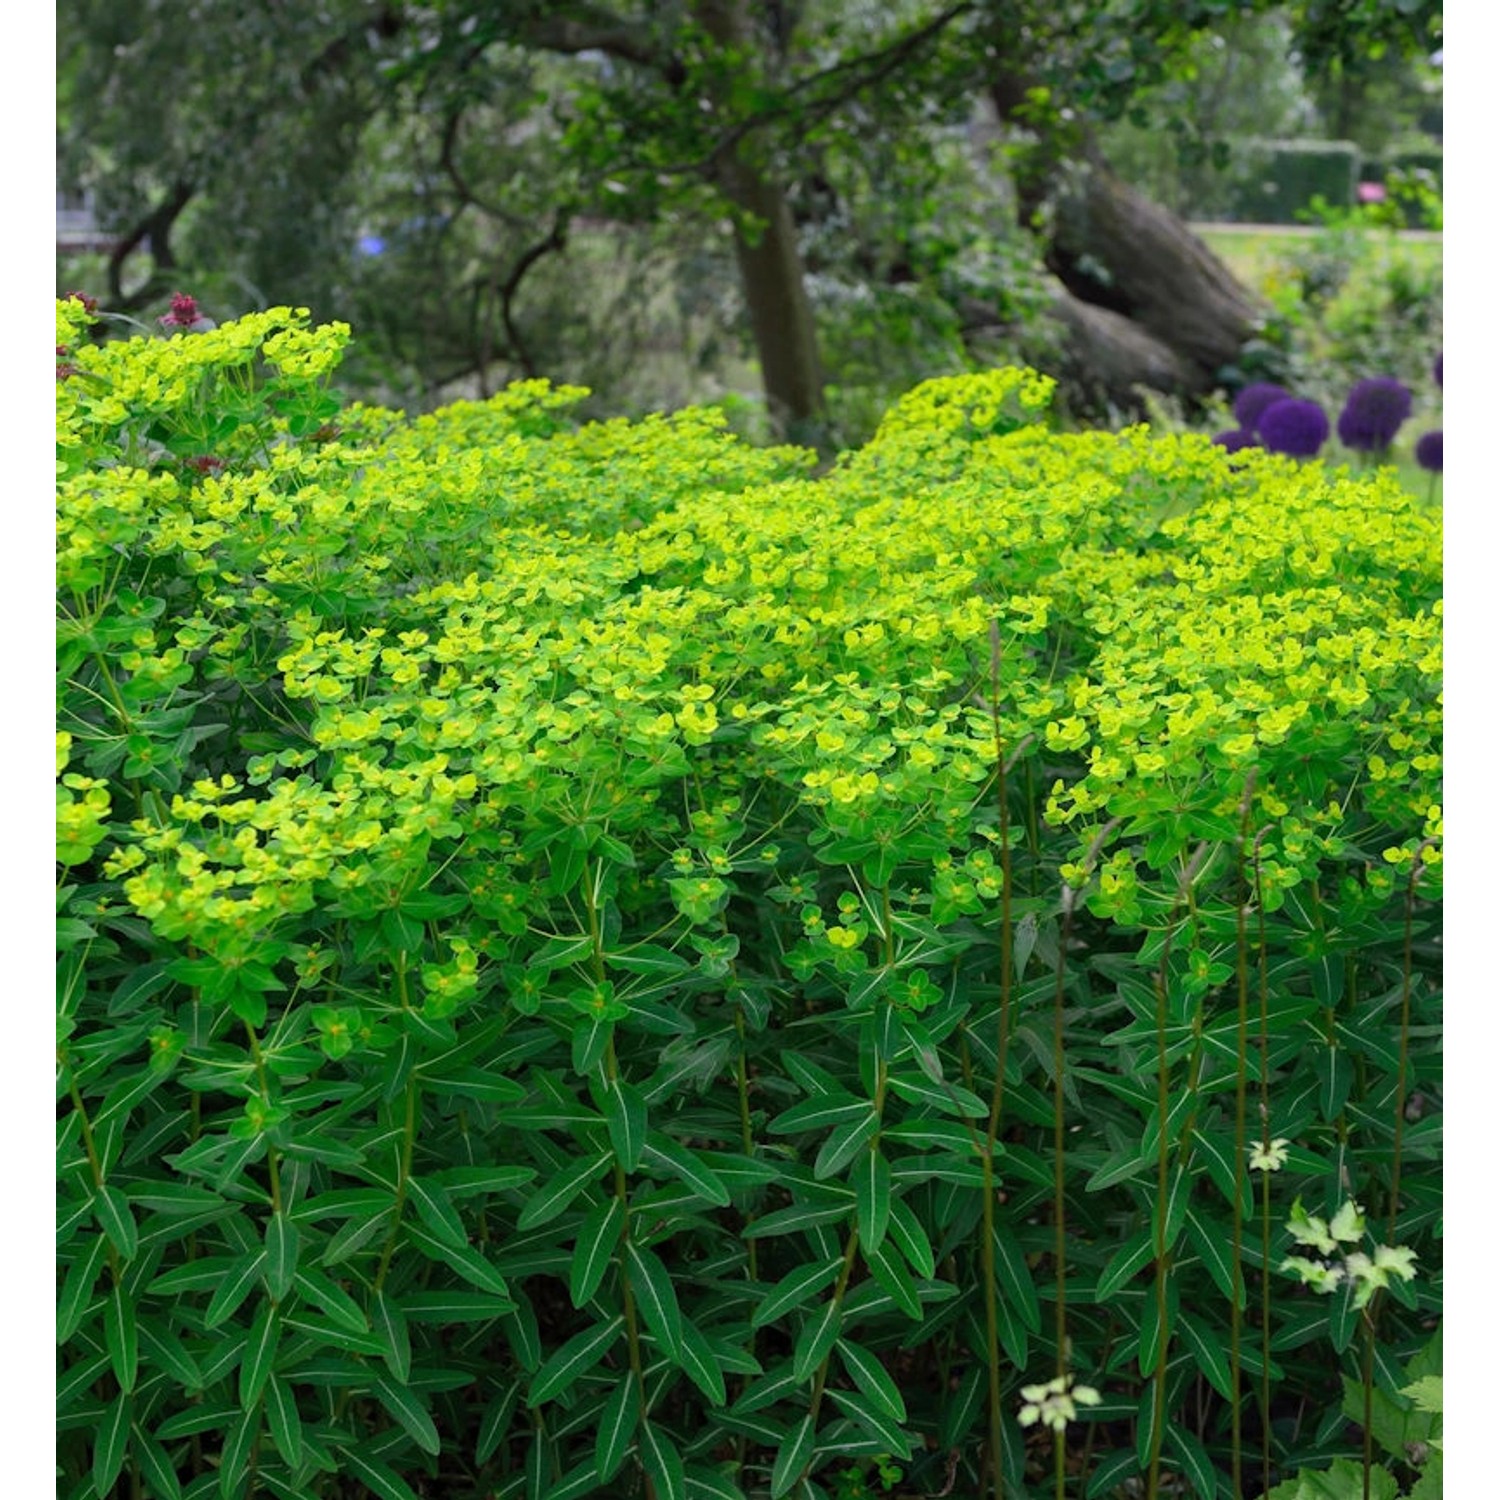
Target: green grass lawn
pixel 1252 251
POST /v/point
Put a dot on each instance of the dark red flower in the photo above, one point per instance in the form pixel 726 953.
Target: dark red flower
pixel 205 463
pixel 90 304
pixel 64 371
pixel 186 314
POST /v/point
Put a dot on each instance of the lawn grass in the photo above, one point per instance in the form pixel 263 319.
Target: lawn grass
pixel 1254 251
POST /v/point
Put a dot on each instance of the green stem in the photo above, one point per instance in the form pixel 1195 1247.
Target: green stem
pixel 1400 1118
pixel 1263 984
pixel 1159 1392
pixel 997 1088
pixel 265 1098
pixel 408 1143
pixel 1059 1201
pixel 1241 1034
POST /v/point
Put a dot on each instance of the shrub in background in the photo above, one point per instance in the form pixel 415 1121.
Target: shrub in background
pixel 594 961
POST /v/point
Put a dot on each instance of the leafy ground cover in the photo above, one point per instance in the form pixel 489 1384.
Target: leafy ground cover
pixel 599 960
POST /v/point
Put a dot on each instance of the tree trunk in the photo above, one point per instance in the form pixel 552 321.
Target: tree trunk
pixel 771 270
pixel 1115 249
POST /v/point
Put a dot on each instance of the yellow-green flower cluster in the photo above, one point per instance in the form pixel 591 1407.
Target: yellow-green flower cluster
pixel 485 622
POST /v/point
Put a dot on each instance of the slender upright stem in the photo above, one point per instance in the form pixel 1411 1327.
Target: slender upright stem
pixel 1242 1026
pixel 1059 1200
pixel 997 1088
pixel 1400 1117
pixel 1263 983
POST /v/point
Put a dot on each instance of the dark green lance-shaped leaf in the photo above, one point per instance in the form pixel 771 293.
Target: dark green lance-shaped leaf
pixel 555 1195
pixel 1211 1242
pixel 795 1288
pixel 662 1153
pixel 792 1458
pixel 576 1358
pixel 467 1261
pixel 110 1441
pixel 1208 1351
pixel 163 1350
pixel 523 1335
pixel 453 1306
pixel 238 1442
pixel 1335 1077
pixel 707 1484
pixel 948 1098
pixel 495 1424
pixel 410 1413
pixel 656 1297
pixel 799 1216
pixel 436 1212
pixel 702 1364
pixel 376 1476
pixel 1157 1323
pixel 927 1134
pixel 464 1182
pixel 1193 1457
pixel 1111 1472
pixel 871 1181
pixel 1216 1150
pixel 116 1220
pixel 1343 1317
pixel 355 1235
pixel 617 1424
pixel 874 1421
pixel 591 1038
pixel 870 1376
pixel 625 1116
pixel 576 1483
pixel 908 1236
pixel 155 1465
pixel 197 1418
pixel 237 1284
pixel 281 1255
pixel 1145 1422
pixel 662 1463
pixel 820 1114
pixel 283 1420
pixel 767 1391
pixel 961 1409
pixel 1132 1257
pixel 894 1279
pixel 259 1357
pixel 388 1323
pixel 313 1286
pixel 845 1142
pixel 120 1336
pixel 78 1286
pixel 598 1236
pixel 816 1338
pixel 1173 1210
pixel 1013 1277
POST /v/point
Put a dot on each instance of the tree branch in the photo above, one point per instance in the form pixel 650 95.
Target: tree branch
pixel 155 229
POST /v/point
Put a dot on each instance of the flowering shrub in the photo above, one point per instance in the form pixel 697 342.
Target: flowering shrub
pixel 595 960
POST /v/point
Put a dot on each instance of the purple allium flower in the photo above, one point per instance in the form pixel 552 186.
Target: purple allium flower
pixel 1253 400
pixel 1437 369
pixel 1373 413
pixel 1430 451
pixel 186 314
pixel 1235 439
pixel 1296 428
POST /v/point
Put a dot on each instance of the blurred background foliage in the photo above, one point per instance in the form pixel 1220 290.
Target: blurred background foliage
pixel 793 209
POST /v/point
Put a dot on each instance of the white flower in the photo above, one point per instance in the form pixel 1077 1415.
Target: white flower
pixel 1314 1273
pixel 1270 1156
pixel 1053 1404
